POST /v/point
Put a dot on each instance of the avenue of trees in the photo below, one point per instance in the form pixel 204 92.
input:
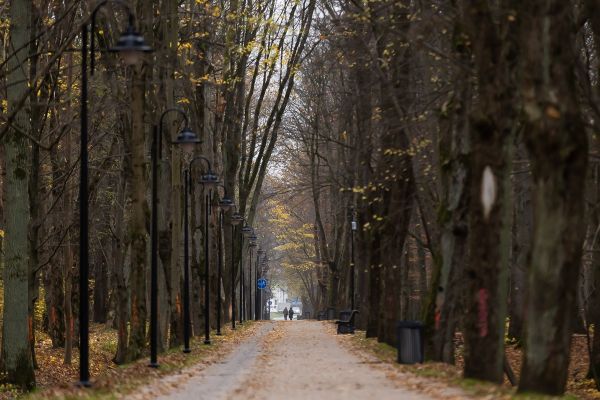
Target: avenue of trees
pixel 229 65
pixel 462 138
pixel 460 135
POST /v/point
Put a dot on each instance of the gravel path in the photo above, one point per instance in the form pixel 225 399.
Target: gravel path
pixel 284 360
pixel 305 361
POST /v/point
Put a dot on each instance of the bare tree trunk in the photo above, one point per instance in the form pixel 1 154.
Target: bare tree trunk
pixel 445 299
pixel 521 246
pixel 119 250
pixel 593 301
pixel 16 330
pixel 67 271
pixel 138 215
pixel 557 143
pixel 492 121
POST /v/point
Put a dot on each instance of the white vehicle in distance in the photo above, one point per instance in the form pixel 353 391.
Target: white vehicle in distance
pixel 297 311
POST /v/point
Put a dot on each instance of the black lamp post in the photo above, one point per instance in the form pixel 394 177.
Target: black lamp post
pixel 186 139
pixel 246 232
pixel 131 46
pixel 209 180
pixel 187 319
pixel 251 245
pixel 353 228
pixel 258 296
pixel 225 204
pixel 236 219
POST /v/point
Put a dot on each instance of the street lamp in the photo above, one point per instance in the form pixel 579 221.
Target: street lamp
pixel 258 296
pixel 236 219
pixel 131 45
pixel 225 204
pixel 209 181
pixel 246 232
pixel 251 245
pixel 353 229
pixel 131 51
pixel 186 139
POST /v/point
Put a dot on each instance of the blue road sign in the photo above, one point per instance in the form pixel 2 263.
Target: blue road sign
pixel 261 283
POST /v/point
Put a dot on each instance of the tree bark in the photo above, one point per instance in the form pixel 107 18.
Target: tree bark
pixel 138 215
pixel 557 143
pixel 492 122
pixel 521 246
pixel 17 328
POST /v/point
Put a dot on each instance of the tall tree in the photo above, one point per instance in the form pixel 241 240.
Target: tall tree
pixel 492 124
pixel 557 143
pixel 17 326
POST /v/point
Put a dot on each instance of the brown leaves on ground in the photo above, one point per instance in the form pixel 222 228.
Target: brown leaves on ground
pixel 443 380
pixel 57 380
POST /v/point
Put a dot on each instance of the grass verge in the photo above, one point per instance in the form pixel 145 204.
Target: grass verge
pixel 114 382
pixel 439 379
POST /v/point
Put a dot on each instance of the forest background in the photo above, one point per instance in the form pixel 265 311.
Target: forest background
pixel 460 136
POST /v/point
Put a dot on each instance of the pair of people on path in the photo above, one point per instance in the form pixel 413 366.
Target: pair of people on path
pixel 289 313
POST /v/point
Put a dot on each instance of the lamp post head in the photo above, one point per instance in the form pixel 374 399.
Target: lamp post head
pixel 226 204
pixel 247 231
pixel 187 139
pixel 253 238
pixel 354 226
pixel 236 219
pixel 252 244
pixel 131 46
pixel 210 180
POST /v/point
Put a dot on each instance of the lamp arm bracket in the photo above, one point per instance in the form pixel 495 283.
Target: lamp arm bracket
pixel 97 8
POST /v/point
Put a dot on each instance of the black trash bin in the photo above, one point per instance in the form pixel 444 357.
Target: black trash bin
pixel 330 313
pixel 409 338
pixel 345 314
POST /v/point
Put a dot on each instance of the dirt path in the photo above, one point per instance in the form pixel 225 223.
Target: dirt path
pixel 291 360
pixel 305 361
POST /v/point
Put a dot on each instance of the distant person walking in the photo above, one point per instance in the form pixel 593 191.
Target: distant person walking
pixel 285 313
pixel 291 313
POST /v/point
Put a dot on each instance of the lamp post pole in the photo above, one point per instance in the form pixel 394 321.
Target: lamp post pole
pixel 219 271
pixel 258 295
pixel 186 264
pixel 153 254
pixel 247 293
pixel 247 231
pixel 208 180
pixel 206 271
pixel 225 203
pixel 186 138
pixel 251 283
pixel 130 45
pixel 236 219
pixel 352 263
pixel 242 283
pixel 252 244
pixel 233 305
